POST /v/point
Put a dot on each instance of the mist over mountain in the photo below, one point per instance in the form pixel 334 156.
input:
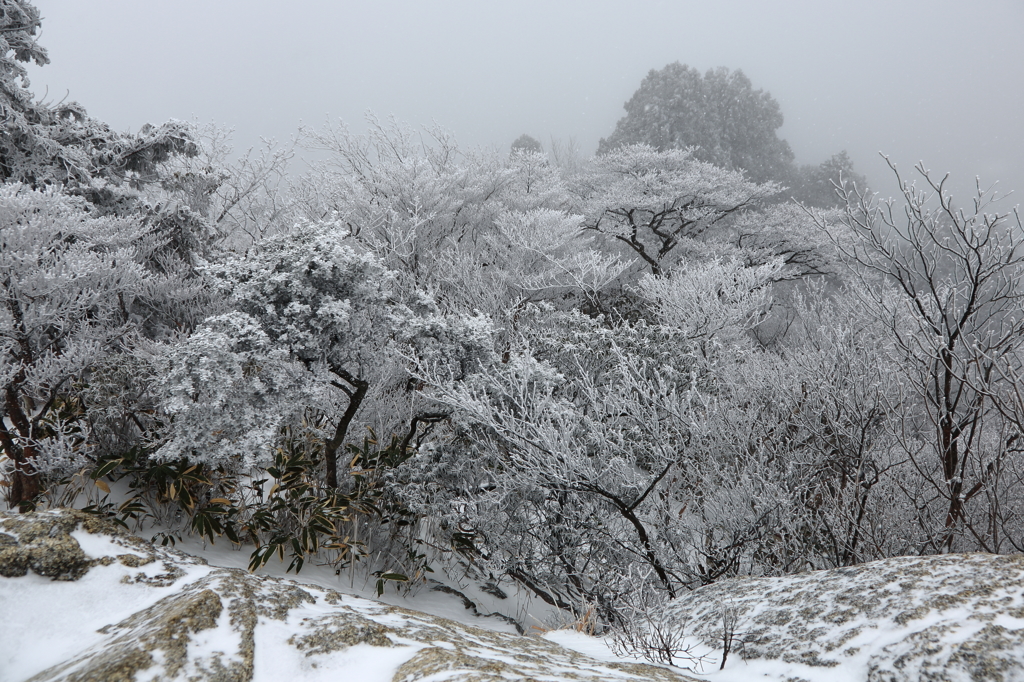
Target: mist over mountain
pixel 938 82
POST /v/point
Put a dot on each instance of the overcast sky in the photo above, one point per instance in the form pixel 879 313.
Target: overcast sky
pixel 934 80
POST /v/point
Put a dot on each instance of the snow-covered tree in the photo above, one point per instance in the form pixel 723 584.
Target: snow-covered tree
pixel 706 300
pixel 412 197
pixel 528 256
pixel 574 453
pixel 945 282
pixel 242 198
pixel 540 480
pixel 43 144
pixel 835 394
pixel 229 391
pixel 327 303
pixel 405 198
pixel 73 288
pixel 652 201
pixel 720 113
pixel 787 232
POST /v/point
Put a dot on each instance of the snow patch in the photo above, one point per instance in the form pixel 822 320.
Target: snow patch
pixel 99 546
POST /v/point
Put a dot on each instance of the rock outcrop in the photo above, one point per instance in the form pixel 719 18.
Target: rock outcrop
pixel 949 617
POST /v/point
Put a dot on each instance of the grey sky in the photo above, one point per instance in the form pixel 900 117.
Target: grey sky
pixel 937 80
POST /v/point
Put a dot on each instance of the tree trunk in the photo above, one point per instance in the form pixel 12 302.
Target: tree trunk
pixel 355 400
pixel 25 479
pixel 24 482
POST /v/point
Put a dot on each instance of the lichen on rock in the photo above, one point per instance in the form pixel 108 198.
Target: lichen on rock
pixel 42 543
pixel 340 630
pixel 435 661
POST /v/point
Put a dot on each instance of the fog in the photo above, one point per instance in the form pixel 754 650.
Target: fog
pixel 934 80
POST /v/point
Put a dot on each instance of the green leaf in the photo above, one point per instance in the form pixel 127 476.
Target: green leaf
pixel 106 468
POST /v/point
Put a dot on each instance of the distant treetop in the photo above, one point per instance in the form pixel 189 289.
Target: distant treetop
pixel 732 124
pixel 527 143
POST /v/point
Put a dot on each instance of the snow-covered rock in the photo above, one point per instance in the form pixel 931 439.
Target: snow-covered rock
pixel 949 617
pixel 84 602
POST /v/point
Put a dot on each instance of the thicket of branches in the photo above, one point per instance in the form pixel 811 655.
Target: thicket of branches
pixel 609 381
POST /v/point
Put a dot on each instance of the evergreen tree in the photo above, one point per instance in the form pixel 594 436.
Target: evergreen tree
pixel 731 124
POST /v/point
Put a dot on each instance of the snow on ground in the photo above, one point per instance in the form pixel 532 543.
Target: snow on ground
pixel 532 613
pixel 45 621
pixel 956 617
pixel 155 613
